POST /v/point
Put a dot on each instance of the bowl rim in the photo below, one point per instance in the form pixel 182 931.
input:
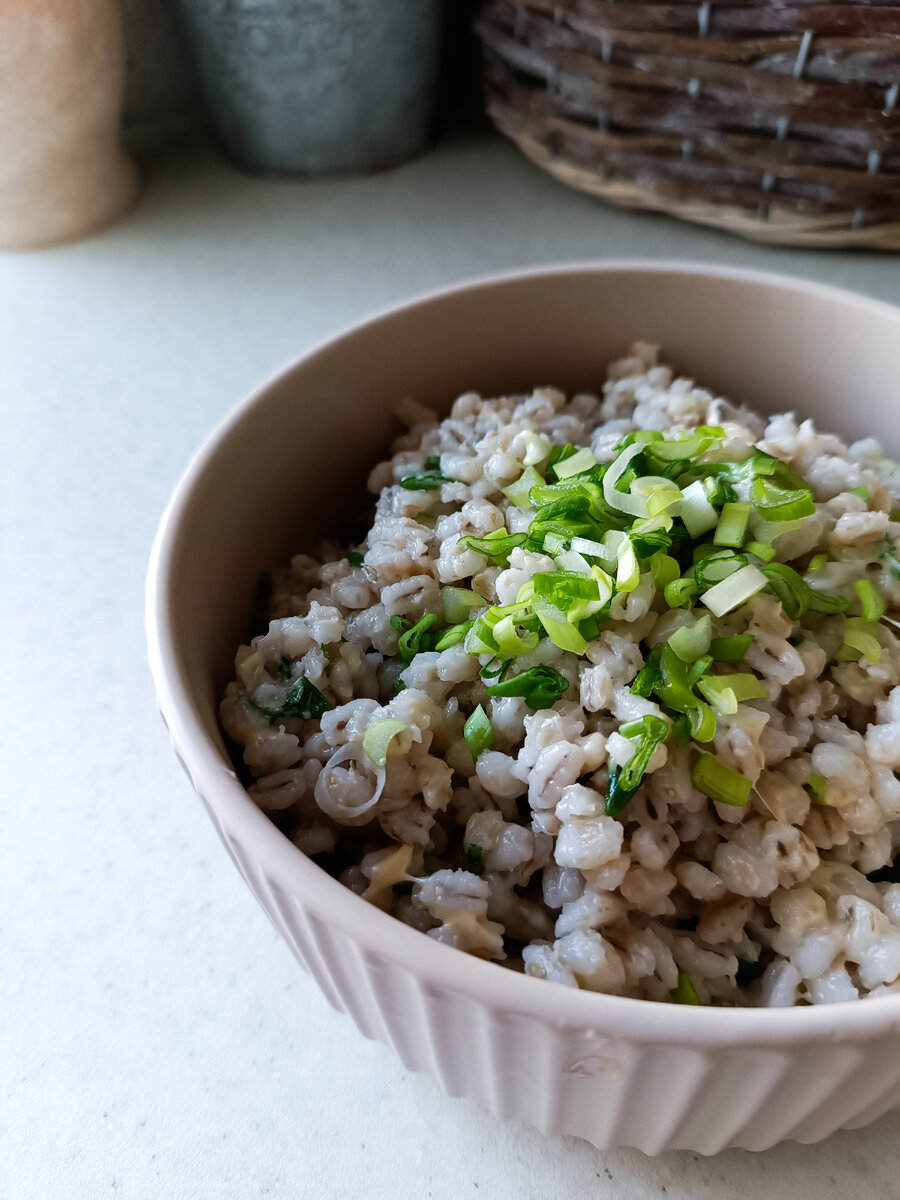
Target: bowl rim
pixel 379 936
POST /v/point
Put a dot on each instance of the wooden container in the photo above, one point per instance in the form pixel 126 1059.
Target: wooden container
pixel 776 121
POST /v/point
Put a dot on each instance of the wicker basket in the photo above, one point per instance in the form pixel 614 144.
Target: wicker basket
pixel 775 119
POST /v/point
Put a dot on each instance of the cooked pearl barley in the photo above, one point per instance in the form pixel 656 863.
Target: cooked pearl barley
pixel 512 853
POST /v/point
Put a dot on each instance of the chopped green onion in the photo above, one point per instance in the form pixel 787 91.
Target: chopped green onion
pixel 519 493
pixel 699 668
pixel 378 737
pixel 781 504
pixel 478 732
pixel 870 599
pixel 459 603
pixel 636 506
pixel 702 722
pixel 495 545
pixel 816 563
pixel 540 687
pixel 818 785
pixel 761 549
pixel 433 461
pixel 649 675
pixel 512 643
pixel 680 593
pixel 862 492
pixel 284 667
pixel 696 511
pixel 790 588
pixel 575 464
pixel 730 649
pixel 355 557
pixel 684 992
pixel 858 636
pixel 691 642
pixel 453 636
pixel 415 640
pixel 724 690
pixel 647 732
pixel 628 572
pixel 713 568
pixel 663 568
pixel 303 700
pixel 719 782
pixel 424 481
pixel 536 446
pixel 734 591
pixel 475 854
pixel 563 587
pixel 732 527
pixel 560 632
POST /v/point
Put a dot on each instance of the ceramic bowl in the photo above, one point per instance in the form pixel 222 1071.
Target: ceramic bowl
pixel 280 473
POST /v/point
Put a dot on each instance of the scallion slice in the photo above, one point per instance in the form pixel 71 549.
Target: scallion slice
pixel 862 492
pixel 519 493
pixel 646 732
pixel 762 550
pixel 458 604
pixel 540 686
pixel 732 527
pixel 537 448
pixel 453 635
pixel 731 649
pixel 691 642
pixel 818 786
pixel 696 511
pixel 680 593
pixel 510 642
pixel 723 597
pixel 816 563
pixel 684 992
pixel 495 545
pixel 870 599
pixel 719 782
pixel 582 460
pixel 859 635
pixel 478 732
pixel 560 631
pixel 378 737
pixel 416 639
pixel 781 503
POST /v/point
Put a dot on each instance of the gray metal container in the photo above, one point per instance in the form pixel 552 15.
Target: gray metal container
pixel 317 87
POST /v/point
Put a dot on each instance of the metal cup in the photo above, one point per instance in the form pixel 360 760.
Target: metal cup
pixel 317 87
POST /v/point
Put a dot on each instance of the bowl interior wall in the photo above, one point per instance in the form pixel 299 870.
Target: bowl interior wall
pixel 293 466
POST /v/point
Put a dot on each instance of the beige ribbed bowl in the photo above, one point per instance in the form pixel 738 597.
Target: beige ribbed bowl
pixel 283 469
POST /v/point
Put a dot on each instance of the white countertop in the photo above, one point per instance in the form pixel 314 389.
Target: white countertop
pixel 156 1038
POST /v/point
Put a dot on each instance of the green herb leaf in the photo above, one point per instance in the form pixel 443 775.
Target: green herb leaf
pixel 424 481
pixel 355 557
pixel 475 854
pixel 303 700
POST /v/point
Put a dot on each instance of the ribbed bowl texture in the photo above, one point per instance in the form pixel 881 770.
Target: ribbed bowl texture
pixel 283 470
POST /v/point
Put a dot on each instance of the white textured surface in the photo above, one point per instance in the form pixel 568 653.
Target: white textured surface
pixel 156 1037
